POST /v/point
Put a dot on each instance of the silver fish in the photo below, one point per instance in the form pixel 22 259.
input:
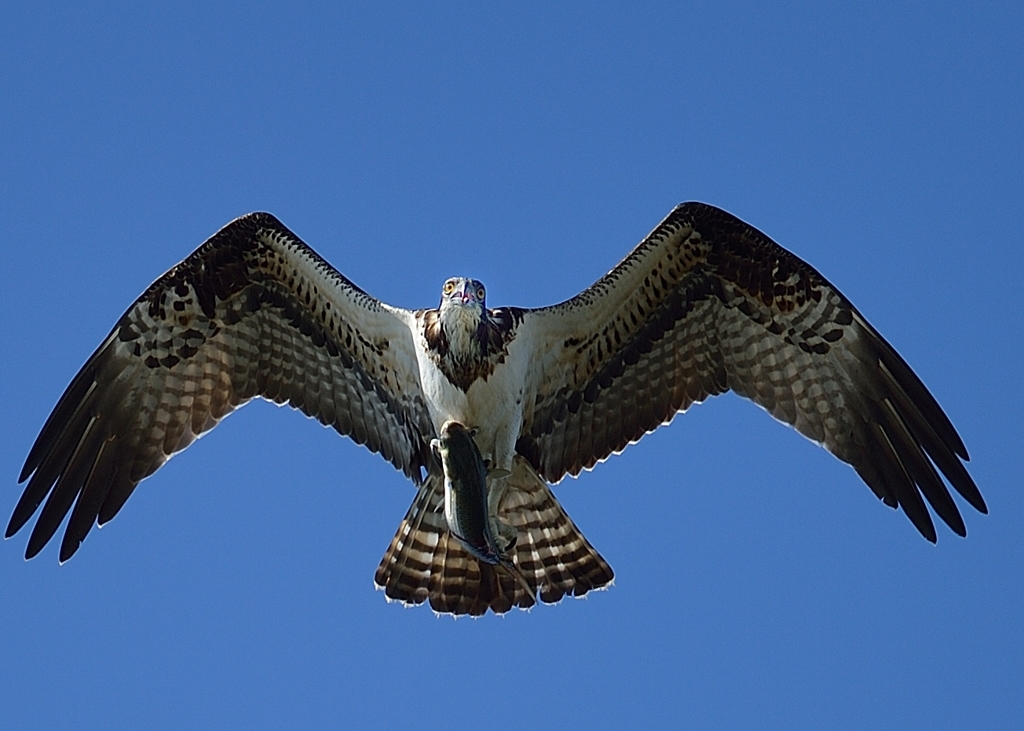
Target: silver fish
pixel 465 493
pixel 466 503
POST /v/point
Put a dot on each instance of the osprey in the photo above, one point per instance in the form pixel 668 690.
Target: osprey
pixel 704 304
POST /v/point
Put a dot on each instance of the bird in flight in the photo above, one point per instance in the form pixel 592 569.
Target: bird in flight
pixel 704 304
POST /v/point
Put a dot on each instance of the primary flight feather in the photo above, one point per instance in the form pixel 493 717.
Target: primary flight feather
pixel 704 304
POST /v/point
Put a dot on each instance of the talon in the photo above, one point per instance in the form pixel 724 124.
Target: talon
pixel 505 534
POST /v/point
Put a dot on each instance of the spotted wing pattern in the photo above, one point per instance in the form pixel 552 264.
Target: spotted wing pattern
pixel 707 303
pixel 426 563
pixel 252 312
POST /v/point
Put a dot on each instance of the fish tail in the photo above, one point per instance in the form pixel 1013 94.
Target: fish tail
pixel 509 566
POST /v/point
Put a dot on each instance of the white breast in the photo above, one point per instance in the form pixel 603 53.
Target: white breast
pixel 493 407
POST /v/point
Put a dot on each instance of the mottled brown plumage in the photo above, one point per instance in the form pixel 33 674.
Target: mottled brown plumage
pixel 493 336
pixel 704 304
pixel 246 315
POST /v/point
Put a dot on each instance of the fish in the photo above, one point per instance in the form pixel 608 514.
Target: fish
pixel 465 492
pixel 465 499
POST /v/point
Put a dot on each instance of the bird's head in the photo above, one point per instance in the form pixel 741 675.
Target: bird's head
pixel 462 320
pixel 464 296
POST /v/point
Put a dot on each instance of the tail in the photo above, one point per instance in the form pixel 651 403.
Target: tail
pixel 426 563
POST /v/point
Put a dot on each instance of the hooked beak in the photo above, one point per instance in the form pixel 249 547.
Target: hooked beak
pixel 464 295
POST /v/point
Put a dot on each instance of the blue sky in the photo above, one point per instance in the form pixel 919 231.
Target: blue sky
pixel 759 583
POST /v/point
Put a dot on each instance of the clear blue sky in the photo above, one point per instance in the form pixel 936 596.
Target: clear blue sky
pixel 759 583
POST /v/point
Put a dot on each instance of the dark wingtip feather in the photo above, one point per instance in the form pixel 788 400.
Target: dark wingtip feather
pixel 899 483
pixel 919 394
pixel 971 493
pixel 68 548
pixel 66 415
pixel 97 486
pixel 30 501
pixel 36 542
pixel 27 470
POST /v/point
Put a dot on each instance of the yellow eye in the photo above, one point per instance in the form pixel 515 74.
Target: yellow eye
pixel 448 287
pixel 480 294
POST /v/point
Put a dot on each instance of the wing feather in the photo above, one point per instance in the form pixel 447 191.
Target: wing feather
pixel 253 312
pixel 705 304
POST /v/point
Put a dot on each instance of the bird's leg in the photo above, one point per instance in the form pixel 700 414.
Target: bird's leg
pixel 499 469
pixel 504 534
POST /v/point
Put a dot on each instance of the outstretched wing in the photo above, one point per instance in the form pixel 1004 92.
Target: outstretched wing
pixel 252 312
pixel 707 303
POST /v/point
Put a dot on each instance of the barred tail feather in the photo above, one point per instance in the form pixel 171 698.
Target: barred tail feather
pixel 426 563
pixel 551 552
pixel 404 572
